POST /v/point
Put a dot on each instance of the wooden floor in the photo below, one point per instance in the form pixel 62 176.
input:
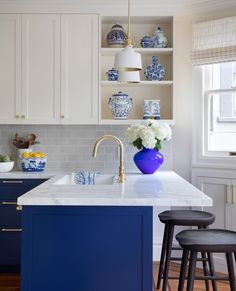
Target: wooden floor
pixel 11 282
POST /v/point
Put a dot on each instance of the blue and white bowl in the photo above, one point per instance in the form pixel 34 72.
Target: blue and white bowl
pixel 120 105
pixel 112 75
pixel 155 71
pixel 117 36
pixel 33 164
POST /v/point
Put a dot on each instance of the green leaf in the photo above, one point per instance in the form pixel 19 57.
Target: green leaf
pixel 138 143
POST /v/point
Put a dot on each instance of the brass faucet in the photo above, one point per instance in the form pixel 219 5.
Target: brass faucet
pixel 121 146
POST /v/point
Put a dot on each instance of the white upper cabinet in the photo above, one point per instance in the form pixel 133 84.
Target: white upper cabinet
pixel 40 69
pixel 79 69
pixel 10 68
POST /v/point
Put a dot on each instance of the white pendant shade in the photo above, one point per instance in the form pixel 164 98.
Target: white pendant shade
pixel 129 77
pixel 128 60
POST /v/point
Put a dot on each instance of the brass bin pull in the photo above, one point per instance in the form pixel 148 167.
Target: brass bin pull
pixel 18 208
pixel 11 229
pixel 12 181
pixel 8 203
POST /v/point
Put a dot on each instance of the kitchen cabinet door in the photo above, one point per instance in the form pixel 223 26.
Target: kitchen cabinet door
pixel 40 69
pixel 10 68
pixel 79 69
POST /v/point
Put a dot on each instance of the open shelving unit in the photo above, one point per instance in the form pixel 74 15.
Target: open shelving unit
pixel 161 90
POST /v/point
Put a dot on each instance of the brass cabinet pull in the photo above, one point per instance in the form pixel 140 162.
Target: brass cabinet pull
pixel 23 116
pixel 8 203
pixel 229 194
pixel 62 116
pixel 234 194
pixel 12 181
pixel 18 208
pixel 17 116
pixel 11 229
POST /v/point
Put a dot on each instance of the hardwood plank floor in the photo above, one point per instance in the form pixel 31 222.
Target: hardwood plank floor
pixel 11 282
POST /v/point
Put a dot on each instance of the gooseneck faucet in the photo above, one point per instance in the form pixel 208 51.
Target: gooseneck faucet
pixel 121 146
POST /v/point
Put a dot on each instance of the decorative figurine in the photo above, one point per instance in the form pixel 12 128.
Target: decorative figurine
pixel 117 36
pixel 112 75
pixel 155 71
pixel 120 105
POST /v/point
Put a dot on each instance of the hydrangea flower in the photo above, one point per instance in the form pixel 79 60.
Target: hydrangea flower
pixel 149 134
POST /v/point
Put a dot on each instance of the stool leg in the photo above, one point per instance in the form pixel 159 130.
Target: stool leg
pixel 168 255
pixel 191 271
pixel 163 253
pixel 212 270
pixel 230 266
pixel 183 270
pixel 205 270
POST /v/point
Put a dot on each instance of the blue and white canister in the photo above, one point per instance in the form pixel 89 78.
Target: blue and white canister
pixel 117 36
pixel 120 105
pixel 112 75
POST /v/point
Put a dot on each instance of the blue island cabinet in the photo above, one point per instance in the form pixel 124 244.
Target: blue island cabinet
pixel 86 248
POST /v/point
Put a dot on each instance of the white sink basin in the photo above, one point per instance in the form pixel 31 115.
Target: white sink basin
pixel 99 180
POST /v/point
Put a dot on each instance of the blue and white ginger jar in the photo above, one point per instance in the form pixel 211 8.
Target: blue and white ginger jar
pixel 147 42
pixel 117 36
pixel 155 71
pixel 120 105
pixel 112 75
pixel 159 39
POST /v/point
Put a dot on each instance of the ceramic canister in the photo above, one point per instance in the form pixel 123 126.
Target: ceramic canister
pixel 120 105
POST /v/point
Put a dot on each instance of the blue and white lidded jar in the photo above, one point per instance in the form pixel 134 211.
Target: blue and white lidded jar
pixel 112 75
pixel 159 39
pixel 117 36
pixel 120 105
pixel 147 42
pixel 155 71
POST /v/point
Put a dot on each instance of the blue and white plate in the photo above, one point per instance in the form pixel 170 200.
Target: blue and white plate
pixel 155 71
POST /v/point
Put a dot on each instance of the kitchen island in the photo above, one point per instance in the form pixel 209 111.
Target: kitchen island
pixel 88 238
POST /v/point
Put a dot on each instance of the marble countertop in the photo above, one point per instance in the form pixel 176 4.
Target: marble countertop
pixel 165 188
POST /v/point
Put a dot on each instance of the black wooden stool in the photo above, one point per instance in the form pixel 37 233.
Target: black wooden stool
pixel 171 219
pixel 210 241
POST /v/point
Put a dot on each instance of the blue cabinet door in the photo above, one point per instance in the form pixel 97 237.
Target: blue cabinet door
pixel 86 248
pixel 10 221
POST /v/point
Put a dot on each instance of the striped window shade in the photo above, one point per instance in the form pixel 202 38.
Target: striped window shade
pixel 214 41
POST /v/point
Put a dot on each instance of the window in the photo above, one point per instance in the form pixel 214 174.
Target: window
pixel 219 126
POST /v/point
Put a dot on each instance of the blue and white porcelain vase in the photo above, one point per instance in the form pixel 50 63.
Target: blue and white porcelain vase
pixel 120 105
pixel 159 39
pixel 112 75
pixel 155 71
pixel 117 36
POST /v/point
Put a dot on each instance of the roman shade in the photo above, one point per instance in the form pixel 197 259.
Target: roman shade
pixel 214 41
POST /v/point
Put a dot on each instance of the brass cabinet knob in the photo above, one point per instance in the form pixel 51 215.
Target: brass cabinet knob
pixel 17 116
pixel 62 116
pixel 18 208
pixel 23 116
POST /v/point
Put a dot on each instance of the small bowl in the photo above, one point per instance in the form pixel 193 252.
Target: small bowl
pixel 6 166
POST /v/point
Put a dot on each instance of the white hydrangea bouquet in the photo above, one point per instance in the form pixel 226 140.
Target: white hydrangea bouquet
pixel 148 134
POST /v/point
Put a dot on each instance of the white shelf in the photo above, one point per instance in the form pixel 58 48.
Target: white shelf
pixel 143 51
pixel 141 84
pixel 131 121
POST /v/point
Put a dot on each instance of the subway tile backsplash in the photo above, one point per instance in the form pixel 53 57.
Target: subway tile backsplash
pixel 69 147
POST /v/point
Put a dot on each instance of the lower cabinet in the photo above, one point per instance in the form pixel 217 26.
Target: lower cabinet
pixel 220 185
pixel 10 221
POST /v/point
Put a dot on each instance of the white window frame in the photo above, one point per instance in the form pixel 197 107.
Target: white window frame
pixel 201 158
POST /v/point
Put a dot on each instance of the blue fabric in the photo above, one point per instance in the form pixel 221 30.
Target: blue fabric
pixel 85 177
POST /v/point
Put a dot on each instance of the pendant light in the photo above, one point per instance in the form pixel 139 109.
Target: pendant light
pixel 128 60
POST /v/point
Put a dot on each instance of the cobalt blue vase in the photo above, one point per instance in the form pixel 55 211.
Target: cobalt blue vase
pixel 148 160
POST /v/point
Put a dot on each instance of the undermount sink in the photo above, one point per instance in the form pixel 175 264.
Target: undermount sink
pixel 99 180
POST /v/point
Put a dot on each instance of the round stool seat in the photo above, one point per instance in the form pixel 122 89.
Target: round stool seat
pixel 212 240
pixel 187 217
